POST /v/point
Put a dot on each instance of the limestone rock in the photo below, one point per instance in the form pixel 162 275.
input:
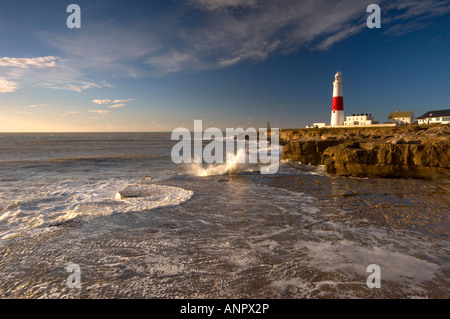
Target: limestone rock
pixel 388 160
pixel 308 152
pixel 409 151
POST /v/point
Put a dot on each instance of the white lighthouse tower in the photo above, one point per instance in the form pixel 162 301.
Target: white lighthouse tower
pixel 337 109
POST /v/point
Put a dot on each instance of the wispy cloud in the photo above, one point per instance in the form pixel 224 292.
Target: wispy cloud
pixel 99 111
pixel 219 5
pixel 25 63
pixel 74 84
pixel 339 36
pixel 107 101
pixel 97 101
pixel 225 33
pixel 410 15
pixel 236 31
pixel 8 86
pixel 48 72
pixel 36 105
pixel 114 103
pixel 70 113
pixel 116 106
pixel 108 49
pixel 123 101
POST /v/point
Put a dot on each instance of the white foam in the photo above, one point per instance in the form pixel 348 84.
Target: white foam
pixel 349 257
pixel 234 163
pixel 37 208
pixel 152 196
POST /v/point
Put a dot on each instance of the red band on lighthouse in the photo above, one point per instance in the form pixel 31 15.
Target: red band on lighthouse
pixel 338 103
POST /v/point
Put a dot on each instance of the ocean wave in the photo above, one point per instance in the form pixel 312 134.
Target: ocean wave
pixel 42 208
pixel 83 159
pixel 141 197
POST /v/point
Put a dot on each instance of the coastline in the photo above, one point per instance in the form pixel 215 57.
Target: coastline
pixel 394 152
pixel 299 233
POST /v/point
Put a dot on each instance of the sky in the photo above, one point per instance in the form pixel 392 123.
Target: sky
pixel 148 66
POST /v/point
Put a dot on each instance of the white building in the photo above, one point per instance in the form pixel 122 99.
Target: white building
pixel 401 117
pixel 360 119
pixel 435 117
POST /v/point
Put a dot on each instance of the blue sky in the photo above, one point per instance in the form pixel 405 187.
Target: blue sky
pixel 157 65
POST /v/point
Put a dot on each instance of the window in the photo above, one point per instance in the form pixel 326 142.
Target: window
pixel 447 118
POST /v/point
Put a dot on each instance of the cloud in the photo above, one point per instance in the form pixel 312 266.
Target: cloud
pixel 7 86
pixel 224 33
pixel 123 101
pixel 74 84
pixel 25 63
pixel 339 36
pixel 116 105
pixel 101 101
pixel 175 61
pixel 99 111
pixel 438 38
pixel 228 62
pixel 109 49
pixel 47 72
pixel 36 105
pixel 214 5
pixel 239 31
pixel 411 15
pixel 70 113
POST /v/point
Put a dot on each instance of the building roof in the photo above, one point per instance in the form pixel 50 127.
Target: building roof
pixel 438 113
pixel 400 114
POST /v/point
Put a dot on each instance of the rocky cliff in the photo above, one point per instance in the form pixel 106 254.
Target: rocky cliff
pixel 409 151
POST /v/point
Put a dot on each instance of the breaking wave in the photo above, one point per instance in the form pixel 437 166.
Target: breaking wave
pixel 42 208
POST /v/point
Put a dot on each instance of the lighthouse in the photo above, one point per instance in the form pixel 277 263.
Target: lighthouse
pixel 337 109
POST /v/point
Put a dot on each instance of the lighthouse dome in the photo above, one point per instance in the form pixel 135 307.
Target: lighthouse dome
pixel 338 76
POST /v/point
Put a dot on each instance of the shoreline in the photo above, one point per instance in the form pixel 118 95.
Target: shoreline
pixel 411 151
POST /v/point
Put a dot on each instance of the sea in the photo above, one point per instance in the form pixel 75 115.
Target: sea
pixel 208 230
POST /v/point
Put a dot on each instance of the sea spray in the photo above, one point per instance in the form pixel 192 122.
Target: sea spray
pixel 213 152
pixel 234 164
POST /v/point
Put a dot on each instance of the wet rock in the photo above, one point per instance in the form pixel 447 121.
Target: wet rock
pixel 414 142
pixel 308 152
pixel 409 151
pixel 398 141
pixel 132 191
pixel 345 193
pixel 388 160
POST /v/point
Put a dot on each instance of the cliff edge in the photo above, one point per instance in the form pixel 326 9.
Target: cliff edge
pixel 404 151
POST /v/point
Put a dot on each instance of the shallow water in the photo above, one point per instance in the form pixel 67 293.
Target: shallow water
pixel 294 234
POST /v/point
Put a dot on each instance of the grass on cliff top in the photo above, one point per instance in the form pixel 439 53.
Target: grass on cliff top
pixel 339 130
